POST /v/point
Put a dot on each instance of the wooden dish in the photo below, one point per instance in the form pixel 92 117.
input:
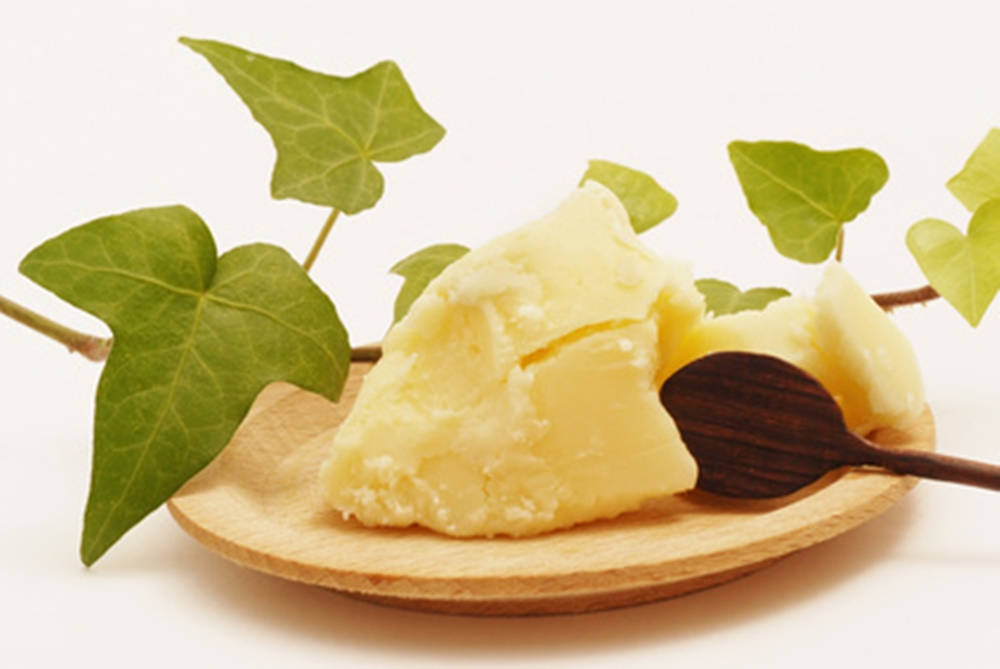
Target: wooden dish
pixel 259 505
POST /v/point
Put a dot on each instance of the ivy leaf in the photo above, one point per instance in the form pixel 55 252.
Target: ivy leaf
pixel 964 269
pixel 196 337
pixel 646 201
pixel 328 131
pixel 979 180
pixel 722 297
pixel 418 269
pixel 804 196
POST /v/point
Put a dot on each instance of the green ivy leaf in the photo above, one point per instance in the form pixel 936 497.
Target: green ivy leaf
pixel 804 196
pixel 646 201
pixel 964 269
pixel 979 180
pixel 196 337
pixel 328 131
pixel 722 297
pixel 418 269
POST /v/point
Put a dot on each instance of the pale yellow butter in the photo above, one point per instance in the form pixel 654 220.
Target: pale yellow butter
pixel 871 367
pixel 520 393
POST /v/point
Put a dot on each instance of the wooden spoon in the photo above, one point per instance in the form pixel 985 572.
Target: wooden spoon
pixel 760 427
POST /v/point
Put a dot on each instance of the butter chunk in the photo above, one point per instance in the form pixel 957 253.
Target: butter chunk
pixel 871 366
pixel 785 328
pixel 839 335
pixel 609 437
pixel 520 392
pixel 578 266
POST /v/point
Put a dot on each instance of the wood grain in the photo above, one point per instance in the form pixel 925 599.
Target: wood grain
pixel 259 505
pixel 759 426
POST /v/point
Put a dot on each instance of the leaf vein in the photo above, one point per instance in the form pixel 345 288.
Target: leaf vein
pixel 787 186
pixel 276 97
pixel 131 275
pixel 403 142
pixel 167 407
pixel 266 314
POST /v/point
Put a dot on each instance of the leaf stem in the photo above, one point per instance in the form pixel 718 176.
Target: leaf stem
pixel 839 255
pixel 89 346
pixel 902 298
pixel 320 240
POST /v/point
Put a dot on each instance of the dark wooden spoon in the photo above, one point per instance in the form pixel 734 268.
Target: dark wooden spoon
pixel 760 427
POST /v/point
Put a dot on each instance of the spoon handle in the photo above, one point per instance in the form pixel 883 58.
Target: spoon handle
pixel 931 465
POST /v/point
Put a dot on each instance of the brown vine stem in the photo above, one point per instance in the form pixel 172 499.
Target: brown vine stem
pixel 888 301
pixel 369 353
pixel 320 240
pixel 97 348
pixel 903 298
pixel 89 346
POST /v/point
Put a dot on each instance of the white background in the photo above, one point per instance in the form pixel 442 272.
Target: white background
pixel 102 111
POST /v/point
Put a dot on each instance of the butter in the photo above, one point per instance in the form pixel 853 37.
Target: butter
pixel 840 336
pixel 520 392
pixel 871 368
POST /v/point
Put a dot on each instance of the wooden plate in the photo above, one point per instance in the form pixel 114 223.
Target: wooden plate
pixel 259 505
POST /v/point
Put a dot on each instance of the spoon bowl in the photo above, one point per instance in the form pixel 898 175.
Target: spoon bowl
pixel 760 427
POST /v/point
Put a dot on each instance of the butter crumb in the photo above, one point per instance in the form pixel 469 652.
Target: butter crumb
pixel 627 273
pixel 530 312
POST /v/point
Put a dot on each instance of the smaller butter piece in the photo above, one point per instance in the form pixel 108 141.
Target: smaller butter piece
pixel 870 365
